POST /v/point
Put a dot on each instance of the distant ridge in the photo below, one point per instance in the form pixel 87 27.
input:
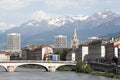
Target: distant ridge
pixel 42 32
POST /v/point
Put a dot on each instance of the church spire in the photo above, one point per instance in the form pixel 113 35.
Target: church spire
pixel 75 35
pixel 75 40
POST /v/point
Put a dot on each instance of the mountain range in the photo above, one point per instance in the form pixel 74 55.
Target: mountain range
pixel 36 32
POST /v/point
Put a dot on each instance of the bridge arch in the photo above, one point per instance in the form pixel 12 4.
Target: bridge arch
pixel 66 65
pixel 31 64
pixel 5 68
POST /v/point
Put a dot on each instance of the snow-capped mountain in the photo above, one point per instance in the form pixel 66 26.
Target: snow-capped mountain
pixel 32 23
pixel 101 17
pixel 107 14
pixel 41 32
pixel 96 19
pixel 59 21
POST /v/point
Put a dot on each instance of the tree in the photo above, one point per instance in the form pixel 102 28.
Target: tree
pixel 63 54
pixel 83 67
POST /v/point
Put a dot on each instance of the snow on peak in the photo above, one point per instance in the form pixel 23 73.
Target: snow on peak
pixel 106 13
pixel 58 21
pixel 33 23
pixel 30 24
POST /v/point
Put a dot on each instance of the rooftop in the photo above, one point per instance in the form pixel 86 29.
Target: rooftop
pixel 35 47
pixel 60 36
pixel 14 34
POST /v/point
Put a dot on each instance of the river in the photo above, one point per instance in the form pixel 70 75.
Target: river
pixel 37 74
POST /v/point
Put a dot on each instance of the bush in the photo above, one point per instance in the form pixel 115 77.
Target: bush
pixel 83 67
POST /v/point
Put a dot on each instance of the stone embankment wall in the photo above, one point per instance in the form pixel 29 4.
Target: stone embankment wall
pixel 109 68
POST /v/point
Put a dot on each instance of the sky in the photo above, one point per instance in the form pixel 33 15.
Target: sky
pixel 16 12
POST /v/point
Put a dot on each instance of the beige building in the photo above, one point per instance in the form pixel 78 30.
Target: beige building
pixel 60 41
pixel 4 56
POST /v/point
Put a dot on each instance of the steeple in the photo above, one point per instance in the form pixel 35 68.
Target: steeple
pixel 75 40
pixel 75 35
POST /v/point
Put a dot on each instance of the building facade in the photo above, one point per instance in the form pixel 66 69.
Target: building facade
pixel 14 42
pixel 75 41
pixel 117 51
pixel 116 45
pixel 40 52
pixel 96 50
pixel 83 51
pixel 60 41
pixel 119 55
pixel 4 56
pixel 109 52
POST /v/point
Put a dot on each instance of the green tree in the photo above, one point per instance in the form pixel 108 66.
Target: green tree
pixel 83 67
pixel 63 54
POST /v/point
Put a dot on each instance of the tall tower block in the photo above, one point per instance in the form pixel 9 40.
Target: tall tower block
pixel 14 42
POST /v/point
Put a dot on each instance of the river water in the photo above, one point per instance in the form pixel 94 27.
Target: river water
pixel 37 74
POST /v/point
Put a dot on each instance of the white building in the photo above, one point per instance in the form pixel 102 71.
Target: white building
pixel 116 48
pixel 60 41
pixel 116 51
pixel 14 42
pixel 46 50
pixel 83 52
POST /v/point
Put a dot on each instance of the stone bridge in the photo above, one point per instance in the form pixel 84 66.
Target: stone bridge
pixel 50 66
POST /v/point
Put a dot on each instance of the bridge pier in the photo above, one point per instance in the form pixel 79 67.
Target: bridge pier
pixel 51 68
pixel 10 68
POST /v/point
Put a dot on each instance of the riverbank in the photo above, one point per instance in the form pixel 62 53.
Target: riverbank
pixel 82 67
pixel 111 75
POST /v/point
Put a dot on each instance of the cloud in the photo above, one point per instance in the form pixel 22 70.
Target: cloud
pixel 54 4
pixel 14 4
pixel 4 26
pixel 59 3
pixel 40 15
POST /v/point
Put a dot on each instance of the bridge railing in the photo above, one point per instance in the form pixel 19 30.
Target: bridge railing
pixel 35 61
